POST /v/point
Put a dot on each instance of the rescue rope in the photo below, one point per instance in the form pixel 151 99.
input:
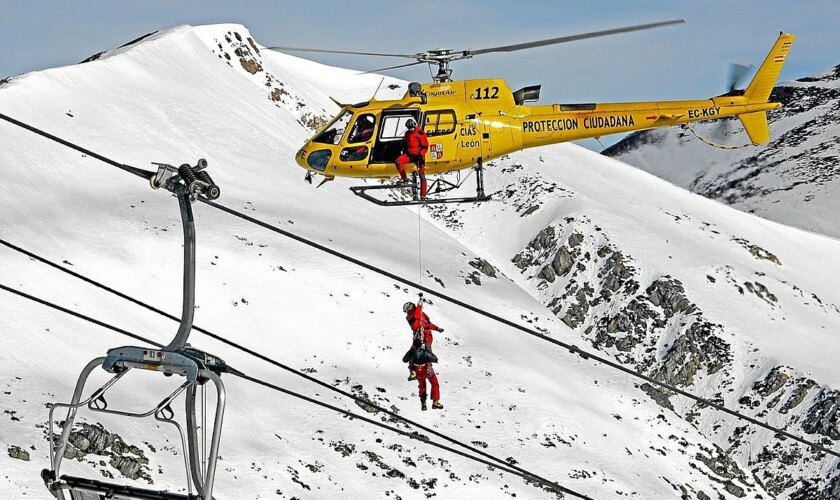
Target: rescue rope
pixel 501 464
pixel 419 244
pixel 713 144
pixel 524 329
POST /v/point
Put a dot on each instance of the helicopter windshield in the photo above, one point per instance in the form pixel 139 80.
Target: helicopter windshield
pixel 332 134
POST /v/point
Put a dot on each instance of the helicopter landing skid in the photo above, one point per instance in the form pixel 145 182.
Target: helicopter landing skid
pixel 436 187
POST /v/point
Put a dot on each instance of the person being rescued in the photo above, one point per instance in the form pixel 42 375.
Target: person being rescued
pixel 414 147
pixel 420 356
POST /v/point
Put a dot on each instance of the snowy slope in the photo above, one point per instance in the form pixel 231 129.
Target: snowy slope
pixel 176 96
pixel 793 179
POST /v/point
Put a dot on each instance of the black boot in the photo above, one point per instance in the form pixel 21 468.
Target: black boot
pixel 423 402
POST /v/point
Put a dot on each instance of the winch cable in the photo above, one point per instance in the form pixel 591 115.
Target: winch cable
pixel 230 343
pixel 494 465
pixel 570 347
pixel 419 245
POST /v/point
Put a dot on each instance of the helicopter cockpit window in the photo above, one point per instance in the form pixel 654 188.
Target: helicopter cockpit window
pixel 332 134
pixel 393 127
pixel 439 122
pixel 362 130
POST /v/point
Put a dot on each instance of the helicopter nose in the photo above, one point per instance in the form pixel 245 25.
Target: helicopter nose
pixel 300 157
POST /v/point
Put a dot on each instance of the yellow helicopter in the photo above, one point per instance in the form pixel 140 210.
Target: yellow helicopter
pixel 469 122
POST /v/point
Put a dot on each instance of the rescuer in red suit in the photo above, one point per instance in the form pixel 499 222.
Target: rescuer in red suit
pixel 414 147
pixel 422 328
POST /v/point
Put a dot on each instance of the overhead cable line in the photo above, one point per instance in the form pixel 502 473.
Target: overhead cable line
pixel 412 435
pixel 230 343
pixel 570 347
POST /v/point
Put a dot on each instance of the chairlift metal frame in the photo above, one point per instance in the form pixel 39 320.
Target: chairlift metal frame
pixel 177 358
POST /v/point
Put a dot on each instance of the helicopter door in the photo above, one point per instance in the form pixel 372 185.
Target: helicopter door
pixel 391 131
pixel 440 126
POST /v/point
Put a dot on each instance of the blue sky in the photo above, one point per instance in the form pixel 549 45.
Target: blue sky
pixel 686 61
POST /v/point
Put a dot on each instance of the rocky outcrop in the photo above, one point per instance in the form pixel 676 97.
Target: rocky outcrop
pixel 93 439
pixel 656 328
pixel 823 416
pixel 18 453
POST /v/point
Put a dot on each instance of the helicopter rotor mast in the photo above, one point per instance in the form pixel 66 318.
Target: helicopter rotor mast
pixel 443 57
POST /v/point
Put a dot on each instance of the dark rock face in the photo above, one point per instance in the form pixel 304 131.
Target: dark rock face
pixel 595 273
pixel 18 453
pixel 772 382
pixel 485 267
pixel 824 416
pixel 562 262
pixel 93 439
pixel 595 288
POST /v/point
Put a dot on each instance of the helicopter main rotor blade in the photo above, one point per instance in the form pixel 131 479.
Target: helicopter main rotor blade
pixel 392 67
pixel 571 38
pixel 327 51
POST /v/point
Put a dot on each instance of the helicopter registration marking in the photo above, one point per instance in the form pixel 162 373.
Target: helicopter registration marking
pixel 703 113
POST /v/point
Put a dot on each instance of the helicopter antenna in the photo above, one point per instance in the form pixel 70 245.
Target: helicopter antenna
pixel 377 88
pixel 443 57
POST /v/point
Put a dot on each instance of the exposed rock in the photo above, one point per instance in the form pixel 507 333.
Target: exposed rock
pixel 797 396
pixel 250 65
pixel 757 251
pixel 547 273
pixel 93 439
pixel 473 278
pixel 734 489
pixel 575 239
pixel 18 453
pixel 823 416
pixel 92 58
pixel 485 267
pixel 562 262
pixel 312 121
pixel 696 349
pixel 277 93
pixel 576 312
pixel 722 465
pixel 542 242
pixel 772 382
pixel 761 291
pixel 669 294
pixel 359 392
pixel 659 395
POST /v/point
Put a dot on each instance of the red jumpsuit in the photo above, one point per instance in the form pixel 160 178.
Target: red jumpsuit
pixel 418 320
pixel 414 144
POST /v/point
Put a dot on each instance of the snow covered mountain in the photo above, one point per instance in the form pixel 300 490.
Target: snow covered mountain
pixel 585 248
pixel 793 179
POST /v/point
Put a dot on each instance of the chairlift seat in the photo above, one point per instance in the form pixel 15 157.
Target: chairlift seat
pixel 91 489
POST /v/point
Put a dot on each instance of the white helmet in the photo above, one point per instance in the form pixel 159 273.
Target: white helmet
pixel 408 306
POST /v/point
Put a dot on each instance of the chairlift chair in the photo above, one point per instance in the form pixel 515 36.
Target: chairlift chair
pixel 177 358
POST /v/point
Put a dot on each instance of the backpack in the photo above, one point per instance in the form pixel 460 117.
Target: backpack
pixel 421 356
